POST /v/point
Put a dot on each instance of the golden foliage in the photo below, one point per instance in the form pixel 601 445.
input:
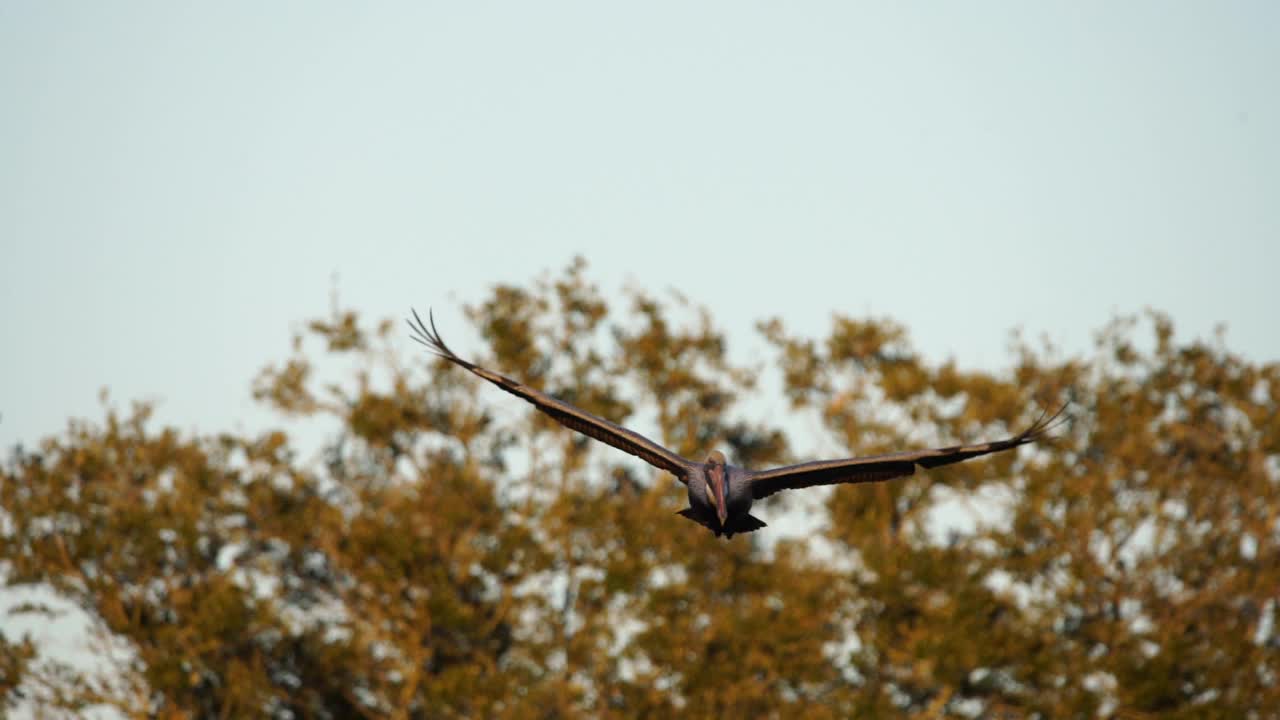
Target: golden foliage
pixel 456 555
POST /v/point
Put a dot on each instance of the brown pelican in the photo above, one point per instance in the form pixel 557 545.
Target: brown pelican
pixel 720 494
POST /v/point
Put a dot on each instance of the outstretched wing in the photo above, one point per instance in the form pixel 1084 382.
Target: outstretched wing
pixel 886 467
pixel 562 412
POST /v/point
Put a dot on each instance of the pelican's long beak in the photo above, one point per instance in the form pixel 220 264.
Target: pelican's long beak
pixel 717 493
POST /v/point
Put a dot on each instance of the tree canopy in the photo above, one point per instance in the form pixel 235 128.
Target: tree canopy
pixel 450 553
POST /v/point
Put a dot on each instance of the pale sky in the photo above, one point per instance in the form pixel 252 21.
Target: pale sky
pixel 180 181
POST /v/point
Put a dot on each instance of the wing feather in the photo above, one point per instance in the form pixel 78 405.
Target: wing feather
pixel 877 468
pixel 572 417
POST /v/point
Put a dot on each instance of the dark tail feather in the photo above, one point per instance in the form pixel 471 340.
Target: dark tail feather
pixel 745 524
pixel 742 524
pixel 690 514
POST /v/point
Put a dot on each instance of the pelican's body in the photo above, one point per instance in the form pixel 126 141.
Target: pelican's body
pixel 725 510
pixel 720 494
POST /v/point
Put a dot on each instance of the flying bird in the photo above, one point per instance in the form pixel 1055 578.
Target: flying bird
pixel 720 494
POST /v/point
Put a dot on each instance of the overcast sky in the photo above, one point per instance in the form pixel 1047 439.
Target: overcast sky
pixel 180 181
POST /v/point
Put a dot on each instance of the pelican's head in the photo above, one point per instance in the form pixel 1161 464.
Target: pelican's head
pixel 717 478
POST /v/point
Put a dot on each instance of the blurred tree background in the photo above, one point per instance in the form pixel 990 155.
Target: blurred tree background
pixel 454 554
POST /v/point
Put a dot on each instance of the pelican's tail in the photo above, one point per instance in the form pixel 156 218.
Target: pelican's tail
pixel 740 524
